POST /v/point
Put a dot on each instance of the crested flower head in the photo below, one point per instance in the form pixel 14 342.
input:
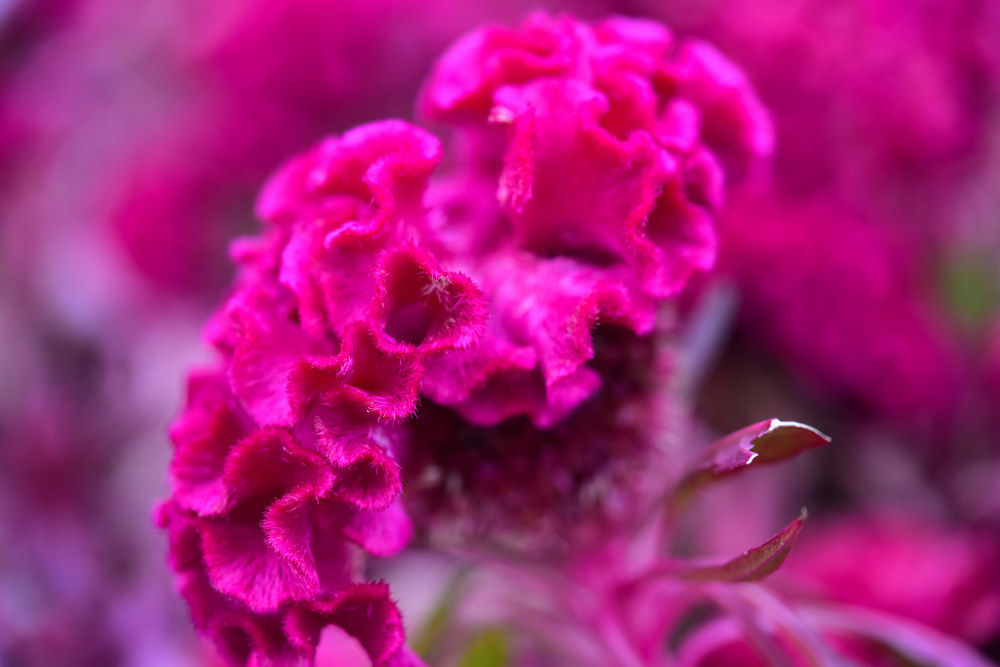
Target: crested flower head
pixel 587 171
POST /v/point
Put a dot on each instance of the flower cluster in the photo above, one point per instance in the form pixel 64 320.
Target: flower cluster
pixel 582 192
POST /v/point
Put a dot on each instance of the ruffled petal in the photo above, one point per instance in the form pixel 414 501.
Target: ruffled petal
pixel 269 464
pixel 385 382
pixel 267 353
pixel 466 77
pixel 203 436
pixel 240 562
pixel 365 611
pixel 365 474
pixel 383 532
pixel 419 306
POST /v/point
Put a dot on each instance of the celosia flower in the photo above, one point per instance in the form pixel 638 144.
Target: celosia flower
pixel 939 575
pixel 882 109
pixel 584 193
pixel 870 97
pixel 842 303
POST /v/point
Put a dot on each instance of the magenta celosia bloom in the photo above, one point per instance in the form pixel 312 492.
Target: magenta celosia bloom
pixel 583 193
pixel 939 575
pixel 842 303
pixel 871 97
pixel 884 111
pixel 481 343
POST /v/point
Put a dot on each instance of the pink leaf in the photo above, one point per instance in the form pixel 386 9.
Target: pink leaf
pixel 768 441
pixel 755 564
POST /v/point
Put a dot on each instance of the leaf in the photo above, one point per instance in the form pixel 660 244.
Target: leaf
pixel 769 441
pixel 436 625
pixel 755 564
pixel 969 288
pixel 488 649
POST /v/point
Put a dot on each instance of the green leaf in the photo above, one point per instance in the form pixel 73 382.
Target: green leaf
pixel 968 284
pixel 434 628
pixel 489 649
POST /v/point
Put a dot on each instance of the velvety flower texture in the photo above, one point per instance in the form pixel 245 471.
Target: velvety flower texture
pixel 266 535
pixel 583 193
